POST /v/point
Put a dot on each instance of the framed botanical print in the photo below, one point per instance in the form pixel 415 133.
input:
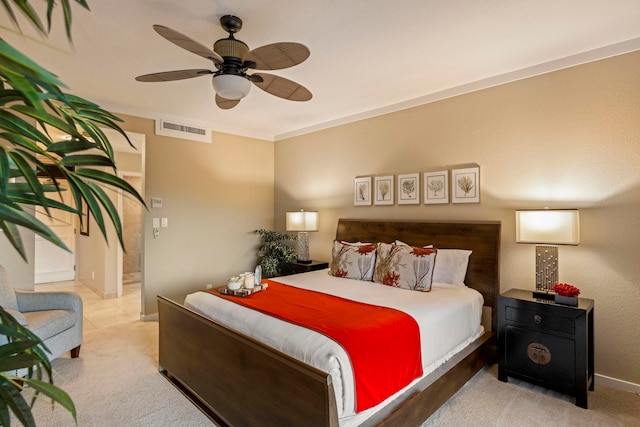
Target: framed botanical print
pixel 362 191
pixel 383 190
pixel 465 185
pixel 436 187
pixel 409 189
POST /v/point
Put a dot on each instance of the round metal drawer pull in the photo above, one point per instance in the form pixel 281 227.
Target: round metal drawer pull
pixel 539 353
pixel 537 318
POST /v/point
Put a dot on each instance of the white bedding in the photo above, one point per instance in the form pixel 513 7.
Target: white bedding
pixel 448 316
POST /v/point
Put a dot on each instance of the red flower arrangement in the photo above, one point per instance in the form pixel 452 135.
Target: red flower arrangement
pixel 566 290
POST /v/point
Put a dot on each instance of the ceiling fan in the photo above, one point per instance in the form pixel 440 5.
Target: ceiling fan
pixel 232 59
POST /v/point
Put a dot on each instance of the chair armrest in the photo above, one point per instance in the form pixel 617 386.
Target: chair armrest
pixel 50 300
pixel 17 315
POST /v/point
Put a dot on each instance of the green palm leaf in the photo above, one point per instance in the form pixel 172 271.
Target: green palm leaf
pixel 31 99
pixel 10 394
pixel 55 393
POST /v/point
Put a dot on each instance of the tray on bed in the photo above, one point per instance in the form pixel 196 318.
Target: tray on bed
pixel 242 292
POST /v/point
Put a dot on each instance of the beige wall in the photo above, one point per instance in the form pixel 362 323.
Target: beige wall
pixel 568 139
pixel 214 196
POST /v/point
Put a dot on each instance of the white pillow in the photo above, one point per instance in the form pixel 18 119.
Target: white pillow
pixel 451 265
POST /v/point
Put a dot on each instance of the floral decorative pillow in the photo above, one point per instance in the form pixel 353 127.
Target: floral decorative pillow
pixel 353 261
pixel 404 266
pixel 451 265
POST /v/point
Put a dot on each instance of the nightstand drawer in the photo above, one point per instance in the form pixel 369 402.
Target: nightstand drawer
pixel 540 320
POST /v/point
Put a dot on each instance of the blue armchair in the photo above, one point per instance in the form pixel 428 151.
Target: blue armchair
pixel 55 317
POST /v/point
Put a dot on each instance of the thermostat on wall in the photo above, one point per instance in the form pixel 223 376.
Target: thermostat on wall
pixel 156 202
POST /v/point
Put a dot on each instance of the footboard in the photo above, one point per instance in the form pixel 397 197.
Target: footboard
pixel 238 379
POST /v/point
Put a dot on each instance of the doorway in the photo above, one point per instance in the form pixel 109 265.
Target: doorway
pixel 130 210
pixel 95 262
pixel 53 264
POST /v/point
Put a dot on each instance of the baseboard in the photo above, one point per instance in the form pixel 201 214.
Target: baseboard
pixel 149 317
pixel 617 384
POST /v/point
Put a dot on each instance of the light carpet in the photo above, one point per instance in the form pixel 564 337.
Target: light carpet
pixel 486 401
pixel 115 382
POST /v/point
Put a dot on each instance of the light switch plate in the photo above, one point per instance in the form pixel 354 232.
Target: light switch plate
pixel 164 222
pixel 155 222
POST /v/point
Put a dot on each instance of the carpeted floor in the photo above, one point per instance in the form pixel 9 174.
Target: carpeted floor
pixel 486 401
pixel 115 382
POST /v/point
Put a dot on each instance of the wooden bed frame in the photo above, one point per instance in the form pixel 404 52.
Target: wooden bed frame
pixel 239 381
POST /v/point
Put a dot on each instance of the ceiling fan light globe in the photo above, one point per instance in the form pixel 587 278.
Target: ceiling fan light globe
pixel 231 86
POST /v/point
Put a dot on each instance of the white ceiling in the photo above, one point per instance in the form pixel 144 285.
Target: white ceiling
pixel 367 56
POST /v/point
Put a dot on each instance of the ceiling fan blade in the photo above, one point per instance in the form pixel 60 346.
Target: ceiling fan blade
pixel 277 56
pixel 226 104
pixel 166 76
pixel 187 43
pixel 283 88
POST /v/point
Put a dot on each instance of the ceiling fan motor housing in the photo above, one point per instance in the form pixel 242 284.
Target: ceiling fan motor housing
pixel 231 50
pixel 231 82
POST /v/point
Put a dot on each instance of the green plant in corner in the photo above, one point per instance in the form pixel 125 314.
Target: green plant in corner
pixel 23 350
pixel 274 251
pixel 31 102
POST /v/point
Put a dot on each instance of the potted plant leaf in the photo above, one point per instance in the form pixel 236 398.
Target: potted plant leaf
pixel 275 251
pixel 22 350
pixel 32 100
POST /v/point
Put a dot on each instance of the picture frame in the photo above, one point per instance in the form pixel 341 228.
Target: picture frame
pixel 436 187
pixel 383 190
pixel 409 189
pixel 84 219
pixel 465 185
pixel 362 191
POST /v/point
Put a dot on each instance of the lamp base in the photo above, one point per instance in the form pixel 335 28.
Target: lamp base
pixel 546 266
pixel 545 295
pixel 303 248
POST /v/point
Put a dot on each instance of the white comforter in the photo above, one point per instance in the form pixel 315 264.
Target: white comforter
pixel 448 316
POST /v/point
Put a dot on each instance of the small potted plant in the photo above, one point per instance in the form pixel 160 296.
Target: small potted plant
pixel 566 294
pixel 275 251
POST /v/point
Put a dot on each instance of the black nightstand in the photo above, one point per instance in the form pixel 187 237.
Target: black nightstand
pixel 298 267
pixel 545 343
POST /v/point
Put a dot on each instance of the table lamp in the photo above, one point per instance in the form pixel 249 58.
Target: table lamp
pixel 302 222
pixel 547 228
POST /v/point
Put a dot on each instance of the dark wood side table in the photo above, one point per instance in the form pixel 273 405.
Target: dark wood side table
pixel 545 343
pixel 298 267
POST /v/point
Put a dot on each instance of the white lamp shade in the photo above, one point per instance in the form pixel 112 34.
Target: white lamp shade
pixel 555 227
pixel 302 221
pixel 231 86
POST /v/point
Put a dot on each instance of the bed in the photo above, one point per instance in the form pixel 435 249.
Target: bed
pixel 237 380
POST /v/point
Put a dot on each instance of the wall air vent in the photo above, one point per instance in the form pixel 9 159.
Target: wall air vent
pixel 181 129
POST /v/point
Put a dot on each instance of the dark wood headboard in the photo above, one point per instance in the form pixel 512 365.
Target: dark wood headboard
pixel 483 238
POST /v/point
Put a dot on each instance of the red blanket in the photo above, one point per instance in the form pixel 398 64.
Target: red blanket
pixel 382 343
